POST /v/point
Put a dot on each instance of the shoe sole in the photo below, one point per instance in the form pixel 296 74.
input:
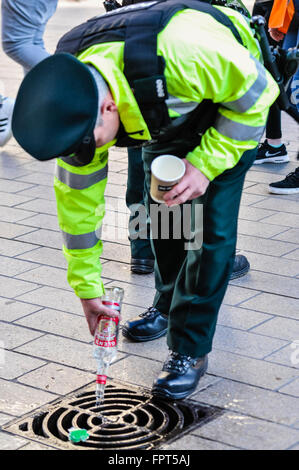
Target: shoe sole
pixel 164 394
pixel 240 273
pixel 282 159
pixel 140 270
pixel 142 339
pixel 283 191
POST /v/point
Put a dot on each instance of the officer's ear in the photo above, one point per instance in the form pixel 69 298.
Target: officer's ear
pixel 108 105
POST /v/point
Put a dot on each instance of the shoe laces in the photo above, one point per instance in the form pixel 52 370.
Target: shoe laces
pixel 149 313
pixel 178 362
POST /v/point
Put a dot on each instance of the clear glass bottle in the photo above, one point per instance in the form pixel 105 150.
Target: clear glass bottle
pixel 105 339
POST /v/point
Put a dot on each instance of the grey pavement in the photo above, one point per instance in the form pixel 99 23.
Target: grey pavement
pixel 45 347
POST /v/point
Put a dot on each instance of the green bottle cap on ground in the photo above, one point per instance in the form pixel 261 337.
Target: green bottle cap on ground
pixel 77 435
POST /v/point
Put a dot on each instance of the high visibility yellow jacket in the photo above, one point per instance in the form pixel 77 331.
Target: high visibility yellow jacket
pixel 203 61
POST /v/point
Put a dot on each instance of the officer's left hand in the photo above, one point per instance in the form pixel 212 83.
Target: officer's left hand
pixel 193 184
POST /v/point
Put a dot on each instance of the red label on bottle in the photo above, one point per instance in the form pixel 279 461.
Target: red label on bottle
pixel 101 379
pixel 106 332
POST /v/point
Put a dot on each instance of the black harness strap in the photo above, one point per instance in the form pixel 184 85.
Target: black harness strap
pixel 138 26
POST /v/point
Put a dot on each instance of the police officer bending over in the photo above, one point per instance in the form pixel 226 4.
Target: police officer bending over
pixel 186 78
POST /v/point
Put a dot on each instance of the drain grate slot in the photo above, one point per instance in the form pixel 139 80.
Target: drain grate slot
pixel 129 418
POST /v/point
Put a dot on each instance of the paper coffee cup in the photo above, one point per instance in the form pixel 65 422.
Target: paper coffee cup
pixel 167 170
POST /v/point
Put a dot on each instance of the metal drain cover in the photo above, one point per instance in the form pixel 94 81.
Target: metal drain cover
pixel 129 418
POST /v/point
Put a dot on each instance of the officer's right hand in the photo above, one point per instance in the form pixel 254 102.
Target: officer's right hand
pixel 93 308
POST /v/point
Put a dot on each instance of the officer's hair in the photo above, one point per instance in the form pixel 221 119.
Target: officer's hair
pixel 102 92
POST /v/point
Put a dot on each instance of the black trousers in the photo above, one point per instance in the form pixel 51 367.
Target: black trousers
pixel 191 283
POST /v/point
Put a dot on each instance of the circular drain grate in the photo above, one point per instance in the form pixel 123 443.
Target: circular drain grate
pixel 128 419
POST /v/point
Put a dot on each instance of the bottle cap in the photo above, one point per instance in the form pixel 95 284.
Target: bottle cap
pixel 77 435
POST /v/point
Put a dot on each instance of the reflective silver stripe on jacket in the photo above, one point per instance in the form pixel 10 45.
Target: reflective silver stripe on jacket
pixel 179 106
pixel 81 242
pixel 75 181
pixel 251 96
pixel 236 130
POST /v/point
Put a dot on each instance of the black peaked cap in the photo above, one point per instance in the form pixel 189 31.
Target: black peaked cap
pixel 56 107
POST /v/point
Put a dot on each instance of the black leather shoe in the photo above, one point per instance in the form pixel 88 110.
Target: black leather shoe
pixel 179 377
pixel 149 325
pixel 142 266
pixel 241 267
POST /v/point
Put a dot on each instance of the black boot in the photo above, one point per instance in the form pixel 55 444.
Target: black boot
pixel 180 376
pixel 149 325
pixel 241 267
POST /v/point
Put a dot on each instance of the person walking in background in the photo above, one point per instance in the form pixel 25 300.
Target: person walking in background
pixel 290 35
pixel 23 27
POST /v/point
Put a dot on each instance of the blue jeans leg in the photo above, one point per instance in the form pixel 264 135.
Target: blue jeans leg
pixel 23 26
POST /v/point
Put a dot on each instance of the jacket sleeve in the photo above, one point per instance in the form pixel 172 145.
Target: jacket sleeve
pixel 245 91
pixel 80 208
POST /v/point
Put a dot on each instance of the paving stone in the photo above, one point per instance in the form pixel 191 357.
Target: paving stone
pixel 9 186
pixel 12 335
pixel 244 343
pixel 252 213
pixel 248 433
pixel 136 370
pixel 12 266
pixel 191 442
pixel 270 283
pixel 40 205
pixel 260 229
pixel 234 295
pixel 57 378
pixel 17 399
pixel 290 235
pixel 271 264
pixel 273 304
pixel 291 388
pixel 18 364
pixel 10 442
pixel 240 318
pixel 59 323
pixel 11 288
pixel 41 192
pixel 250 371
pixel 115 252
pixel 137 295
pixel 263 246
pixel 11 230
pixel 44 238
pixel 293 255
pixel 36 446
pixel 115 190
pixel 10 199
pixel 288 356
pixel 283 328
pixel 57 299
pixel 63 351
pixel 122 272
pixel 12 214
pixel 262 176
pixel 253 401
pixel 4 418
pixel 11 310
pixel 47 276
pixel 279 204
pixel 289 220
pixel 46 256
pixel 45 221
pixel 14 247
pixel 36 177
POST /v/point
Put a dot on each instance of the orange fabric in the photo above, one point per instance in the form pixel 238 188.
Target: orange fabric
pixel 281 15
